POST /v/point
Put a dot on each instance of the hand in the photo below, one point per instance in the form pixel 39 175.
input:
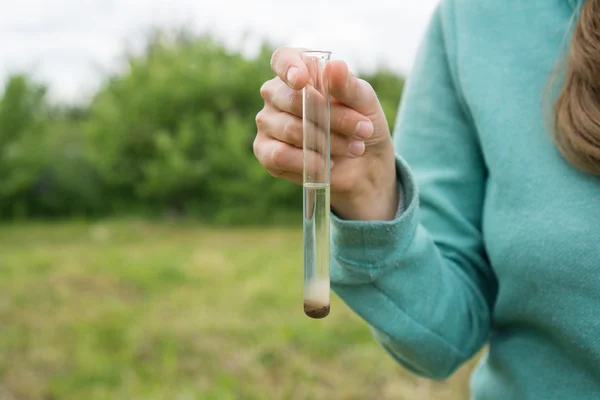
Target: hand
pixel 363 176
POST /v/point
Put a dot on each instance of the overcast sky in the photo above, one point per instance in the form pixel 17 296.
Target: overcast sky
pixel 72 44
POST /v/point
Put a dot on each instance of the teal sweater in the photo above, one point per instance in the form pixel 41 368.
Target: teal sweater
pixel 498 238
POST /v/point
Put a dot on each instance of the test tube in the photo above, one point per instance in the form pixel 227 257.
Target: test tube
pixel 316 181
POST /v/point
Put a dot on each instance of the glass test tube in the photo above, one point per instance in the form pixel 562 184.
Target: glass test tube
pixel 316 154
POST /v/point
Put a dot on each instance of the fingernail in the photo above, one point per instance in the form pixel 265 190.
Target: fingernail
pixel 291 75
pixel 330 164
pixel 356 148
pixel 363 129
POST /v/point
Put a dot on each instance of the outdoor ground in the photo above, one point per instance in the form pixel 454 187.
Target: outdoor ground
pixel 134 310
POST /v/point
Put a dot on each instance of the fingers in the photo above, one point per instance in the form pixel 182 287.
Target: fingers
pixel 292 177
pixel 292 148
pixel 349 122
pixel 293 74
pixel 278 157
pixel 287 63
pixel 355 93
pixel 343 119
pixel 277 94
pixel 289 129
pixel 281 158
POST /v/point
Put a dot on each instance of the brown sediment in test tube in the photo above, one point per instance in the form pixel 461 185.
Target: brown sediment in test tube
pixel 316 310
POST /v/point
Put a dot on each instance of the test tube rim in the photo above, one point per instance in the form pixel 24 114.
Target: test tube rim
pixel 326 53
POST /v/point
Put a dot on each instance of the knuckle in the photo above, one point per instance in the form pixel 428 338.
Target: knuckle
pixel 287 131
pixel 261 119
pixel 291 96
pixel 365 84
pixel 294 99
pixel 292 133
pixel 265 89
pixel 343 119
pixel 367 88
pixel 276 173
pixel 256 148
pixel 278 155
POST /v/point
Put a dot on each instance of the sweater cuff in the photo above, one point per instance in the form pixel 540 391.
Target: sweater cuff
pixel 371 243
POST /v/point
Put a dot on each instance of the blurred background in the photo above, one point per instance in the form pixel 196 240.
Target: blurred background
pixel 144 252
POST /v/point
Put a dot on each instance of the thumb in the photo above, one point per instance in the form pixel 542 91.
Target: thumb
pixel 353 92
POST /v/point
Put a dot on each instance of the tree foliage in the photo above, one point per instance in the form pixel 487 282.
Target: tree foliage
pixel 171 133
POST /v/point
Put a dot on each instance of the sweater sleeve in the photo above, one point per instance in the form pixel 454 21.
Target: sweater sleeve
pixel 422 281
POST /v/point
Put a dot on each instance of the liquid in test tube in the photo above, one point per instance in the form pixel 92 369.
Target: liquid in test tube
pixel 316 177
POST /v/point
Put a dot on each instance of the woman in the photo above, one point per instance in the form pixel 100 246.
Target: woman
pixel 478 222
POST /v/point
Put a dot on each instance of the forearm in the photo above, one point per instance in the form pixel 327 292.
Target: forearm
pixel 424 313
pixel 425 309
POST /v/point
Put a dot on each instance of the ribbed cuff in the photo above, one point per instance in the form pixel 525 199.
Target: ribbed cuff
pixel 368 244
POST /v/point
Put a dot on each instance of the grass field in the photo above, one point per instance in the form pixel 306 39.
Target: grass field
pixel 134 310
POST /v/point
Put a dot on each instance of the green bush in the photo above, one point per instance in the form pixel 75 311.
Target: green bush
pixel 43 167
pixel 170 134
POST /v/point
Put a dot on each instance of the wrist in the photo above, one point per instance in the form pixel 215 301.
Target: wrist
pixel 376 200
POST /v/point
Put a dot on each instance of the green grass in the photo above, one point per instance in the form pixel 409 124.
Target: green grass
pixel 135 310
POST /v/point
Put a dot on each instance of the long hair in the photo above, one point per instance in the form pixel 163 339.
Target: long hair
pixel 577 108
